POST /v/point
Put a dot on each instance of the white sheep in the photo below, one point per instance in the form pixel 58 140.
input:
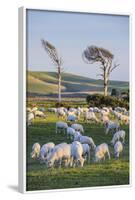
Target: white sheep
pixel 30 118
pixel 86 152
pixel 35 150
pixel 111 126
pixel 78 127
pixel 76 154
pixel 87 140
pixel 70 133
pixel 118 148
pixel 45 150
pixel 77 135
pixel 39 114
pixel 61 113
pixel 90 116
pixel 61 126
pixel 72 118
pixel 59 153
pixel 101 151
pixel 120 135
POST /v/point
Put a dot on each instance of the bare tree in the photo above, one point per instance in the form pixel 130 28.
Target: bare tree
pixel 94 54
pixel 53 54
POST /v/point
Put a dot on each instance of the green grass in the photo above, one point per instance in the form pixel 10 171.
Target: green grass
pixel 113 172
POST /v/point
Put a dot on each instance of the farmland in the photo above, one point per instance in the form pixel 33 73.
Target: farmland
pixel 113 172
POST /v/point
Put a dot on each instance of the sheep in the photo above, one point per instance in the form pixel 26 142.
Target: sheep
pixel 30 117
pixel 39 114
pixel 71 118
pixel 76 154
pixel 110 125
pixel 124 118
pixel 61 126
pixel 119 135
pixel 100 152
pixel 45 150
pixel 86 152
pixel 90 116
pixel 70 132
pixel 78 127
pixel 61 113
pixel 35 151
pixel 118 148
pixel 58 154
pixel 105 119
pixel 53 110
pixel 77 135
pixel 87 140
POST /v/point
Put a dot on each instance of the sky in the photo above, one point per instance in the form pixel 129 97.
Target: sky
pixel 71 34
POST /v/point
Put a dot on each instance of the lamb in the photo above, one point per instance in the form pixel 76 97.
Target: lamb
pixel 110 125
pixel 90 116
pixel 45 150
pixel 118 148
pixel 101 151
pixel 35 151
pixel 78 127
pixel 58 154
pixel 120 135
pixel 87 140
pixel 61 126
pixel 124 118
pixel 76 154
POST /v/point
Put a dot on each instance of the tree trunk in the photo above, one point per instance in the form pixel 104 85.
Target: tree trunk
pixel 105 82
pixel 59 84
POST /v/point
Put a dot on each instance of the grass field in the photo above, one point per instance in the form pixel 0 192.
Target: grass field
pixel 113 172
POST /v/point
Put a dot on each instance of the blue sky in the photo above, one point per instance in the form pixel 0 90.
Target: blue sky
pixel 71 33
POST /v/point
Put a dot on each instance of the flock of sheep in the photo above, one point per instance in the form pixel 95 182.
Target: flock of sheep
pixel 81 146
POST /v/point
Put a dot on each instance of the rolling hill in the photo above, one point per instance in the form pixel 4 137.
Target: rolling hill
pixel 45 83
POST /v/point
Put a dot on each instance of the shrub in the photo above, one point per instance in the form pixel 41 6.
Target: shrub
pixel 99 100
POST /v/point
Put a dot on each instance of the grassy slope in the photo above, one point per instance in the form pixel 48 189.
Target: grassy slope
pixel 46 82
pixel 114 172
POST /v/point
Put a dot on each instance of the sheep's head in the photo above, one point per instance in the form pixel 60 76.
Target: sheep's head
pixel 49 164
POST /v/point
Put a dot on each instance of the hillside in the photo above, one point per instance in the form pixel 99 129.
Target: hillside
pixel 45 83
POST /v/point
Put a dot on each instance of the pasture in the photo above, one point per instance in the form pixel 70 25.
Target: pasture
pixel 113 172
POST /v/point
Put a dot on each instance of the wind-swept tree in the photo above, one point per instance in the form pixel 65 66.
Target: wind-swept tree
pixel 93 54
pixel 57 61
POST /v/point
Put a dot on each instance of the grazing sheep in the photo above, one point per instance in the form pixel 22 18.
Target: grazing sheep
pixel 70 133
pixel 124 118
pixel 120 135
pixel 111 126
pixel 118 148
pixel 45 150
pixel 100 152
pixel 86 152
pixel 61 113
pixel 76 154
pixel 35 151
pixel 87 140
pixel 71 118
pixel 58 154
pixel 61 126
pixel 78 127
pixel 77 136
pixel 90 116
pixel 39 114
pixel 53 110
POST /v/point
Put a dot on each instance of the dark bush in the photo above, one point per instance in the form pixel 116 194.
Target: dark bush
pixel 99 100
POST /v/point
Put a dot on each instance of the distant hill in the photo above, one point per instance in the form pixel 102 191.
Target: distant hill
pixel 44 83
